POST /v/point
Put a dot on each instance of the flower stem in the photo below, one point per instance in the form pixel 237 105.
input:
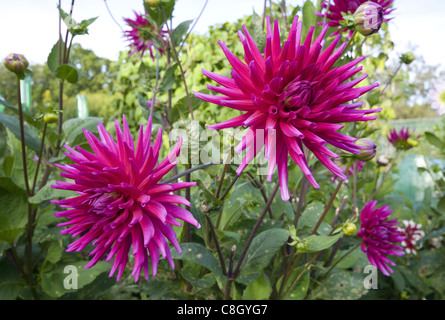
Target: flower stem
pixel 391 79
pixel 232 276
pixel 340 259
pixel 188 171
pixel 393 162
pixel 40 159
pixel 22 138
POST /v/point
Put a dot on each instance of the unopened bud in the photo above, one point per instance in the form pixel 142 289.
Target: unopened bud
pixel 50 118
pixel 382 161
pixel 17 64
pixel 407 58
pixel 152 3
pixel 368 18
pixel 349 229
pixel 368 150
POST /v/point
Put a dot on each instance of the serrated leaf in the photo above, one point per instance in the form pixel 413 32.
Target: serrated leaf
pixel 53 57
pixel 48 193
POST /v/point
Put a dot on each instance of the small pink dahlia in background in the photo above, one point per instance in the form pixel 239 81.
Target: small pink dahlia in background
pixel 402 139
pixel 143 35
pixel 291 96
pixel 413 233
pixel 335 11
pixel 437 97
pixel 379 236
pixel 121 203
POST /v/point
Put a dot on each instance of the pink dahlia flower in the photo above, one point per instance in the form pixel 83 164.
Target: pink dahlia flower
pixel 437 97
pixel 121 203
pixel 403 139
pixel 336 9
pixel 379 236
pixel 413 233
pixel 291 96
pixel 143 35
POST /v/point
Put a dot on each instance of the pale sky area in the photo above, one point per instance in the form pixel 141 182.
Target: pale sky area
pixel 31 26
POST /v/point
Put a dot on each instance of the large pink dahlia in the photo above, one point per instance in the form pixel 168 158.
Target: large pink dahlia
pixel 335 10
pixel 292 96
pixel 379 236
pixel 121 203
pixel 143 35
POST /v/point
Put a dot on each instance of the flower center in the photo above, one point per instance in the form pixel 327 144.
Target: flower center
pixel 296 95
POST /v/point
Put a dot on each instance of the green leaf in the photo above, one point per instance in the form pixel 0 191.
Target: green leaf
pixel 201 255
pixel 73 128
pixel 310 215
pixel 318 243
pixel 309 17
pixel 53 280
pixel 13 210
pixel 53 57
pixel 300 288
pixel 259 289
pixel 340 285
pixel 48 193
pixel 262 249
pixel 433 139
pixel 54 252
pixel 67 72
pixel 10 281
pixel 168 80
pixel 180 31
pixel 441 205
pixel 32 140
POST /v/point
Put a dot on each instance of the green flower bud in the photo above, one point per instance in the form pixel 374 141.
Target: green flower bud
pixel 407 58
pixel 50 118
pixel 349 228
pixel 152 3
pixel 368 18
pixel 368 150
pixel 17 64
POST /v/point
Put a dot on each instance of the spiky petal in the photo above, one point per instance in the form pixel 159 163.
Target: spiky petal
pixel 294 97
pixel 379 236
pixel 121 202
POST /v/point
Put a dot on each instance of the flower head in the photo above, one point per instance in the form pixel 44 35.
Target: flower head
pixel 403 139
pixel 16 63
pixel 291 96
pixel 337 11
pixel 379 236
pixel 121 203
pixel 437 97
pixel 413 234
pixel 368 18
pixel 143 35
pixel 368 149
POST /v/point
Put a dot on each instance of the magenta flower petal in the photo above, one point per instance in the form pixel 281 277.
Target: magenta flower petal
pixel 291 95
pixel 120 203
pixel 379 236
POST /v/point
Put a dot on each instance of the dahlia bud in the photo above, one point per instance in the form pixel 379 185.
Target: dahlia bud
pixel 407 58
pixel 368 18
pixel 382 161
pixel 50 118
pixel 152 3
pixel 349 228
pixel 17 64
pixel 368 150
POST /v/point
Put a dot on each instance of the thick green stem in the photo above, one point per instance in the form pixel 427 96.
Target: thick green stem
pixel 39 159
